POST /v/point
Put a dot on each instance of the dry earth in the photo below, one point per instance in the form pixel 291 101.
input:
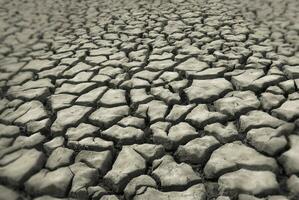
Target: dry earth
pixel 149 99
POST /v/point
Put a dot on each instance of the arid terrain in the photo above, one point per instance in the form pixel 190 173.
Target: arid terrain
pixel 149 99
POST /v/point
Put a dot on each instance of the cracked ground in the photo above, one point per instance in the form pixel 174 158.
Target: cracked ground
pixel 149 100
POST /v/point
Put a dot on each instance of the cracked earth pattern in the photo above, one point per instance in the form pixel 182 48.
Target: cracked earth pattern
pixel 149 100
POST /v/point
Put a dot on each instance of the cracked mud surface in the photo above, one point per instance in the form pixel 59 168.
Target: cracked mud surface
pixel 142 100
